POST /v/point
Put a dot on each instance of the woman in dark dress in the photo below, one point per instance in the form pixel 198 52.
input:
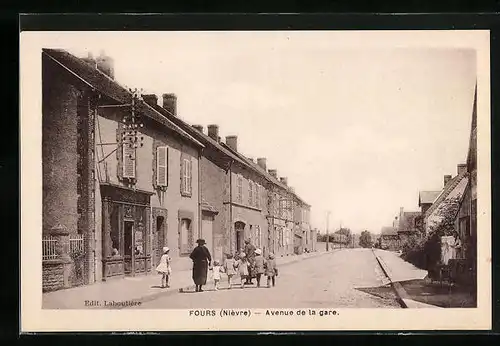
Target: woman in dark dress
pixel 201 261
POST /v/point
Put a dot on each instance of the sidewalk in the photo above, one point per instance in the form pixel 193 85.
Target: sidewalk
pixel 139 288
pixel 415 290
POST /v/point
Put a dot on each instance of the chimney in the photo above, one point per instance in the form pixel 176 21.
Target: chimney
pixel 284 180
pixel 198 128
pixel 170 103
pixel 461 168
pixel 213 132
pixel 250 159
pixel 273 172
pixel 105 64
pixel 150 99
pixel 232 142
pixel 447 178
pixel 90 60
pixel 261 161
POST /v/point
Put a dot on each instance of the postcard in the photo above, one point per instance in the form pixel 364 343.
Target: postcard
pixel 257 180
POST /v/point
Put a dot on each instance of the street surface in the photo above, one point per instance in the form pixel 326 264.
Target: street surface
pixel 330 280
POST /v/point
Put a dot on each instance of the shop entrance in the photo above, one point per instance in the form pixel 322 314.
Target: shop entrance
pixel 128 234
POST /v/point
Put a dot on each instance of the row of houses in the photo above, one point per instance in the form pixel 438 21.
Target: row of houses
pixel 454 204
pixel 123 177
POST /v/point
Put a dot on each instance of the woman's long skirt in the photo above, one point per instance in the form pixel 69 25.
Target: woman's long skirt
pixel 200 270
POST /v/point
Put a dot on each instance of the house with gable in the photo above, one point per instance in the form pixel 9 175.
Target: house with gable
pixel 408 224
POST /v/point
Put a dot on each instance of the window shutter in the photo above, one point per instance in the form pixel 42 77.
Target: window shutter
pixel 190 176
pixel 128 158
pixel 183 175
pixel 161 166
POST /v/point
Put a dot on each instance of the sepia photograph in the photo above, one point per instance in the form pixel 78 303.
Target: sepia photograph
pixel 260 174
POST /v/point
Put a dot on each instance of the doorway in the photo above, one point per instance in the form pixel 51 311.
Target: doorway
pixel 128 233
pixel 239 228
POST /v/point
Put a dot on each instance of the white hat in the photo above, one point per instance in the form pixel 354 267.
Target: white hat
pixel 165 249
pixel 258 251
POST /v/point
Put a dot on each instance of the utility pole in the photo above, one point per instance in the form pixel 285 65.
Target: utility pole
pixel 327 231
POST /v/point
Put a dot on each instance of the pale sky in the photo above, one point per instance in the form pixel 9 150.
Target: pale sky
pixel 358 129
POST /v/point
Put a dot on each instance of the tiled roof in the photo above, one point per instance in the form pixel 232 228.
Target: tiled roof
pixel 222 147
pixel 454 188
pixel 427 197
pixel 109 87
pixel 388 231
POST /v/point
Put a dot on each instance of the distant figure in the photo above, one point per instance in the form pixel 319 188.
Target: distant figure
pixel 115 252
pixel 271 270
pixel 164 268
pixel 201 261
pixel 229 268
pixel 259 264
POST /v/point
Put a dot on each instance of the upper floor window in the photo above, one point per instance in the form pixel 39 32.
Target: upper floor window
pixel 186 176
pixel 162 166
pixel 250 193
pixel 257 196
pixel 239 196
pixel 129 157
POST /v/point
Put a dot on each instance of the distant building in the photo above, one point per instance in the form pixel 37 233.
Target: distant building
pixel 389 239
pixel 427 198
pixel 408 224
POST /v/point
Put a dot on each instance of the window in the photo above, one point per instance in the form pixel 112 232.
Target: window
pixel 257 196
pixel 239 196
pixel 129 151
pixel 162 166
pixel 186 177
pixel 185 236
pixel 250 193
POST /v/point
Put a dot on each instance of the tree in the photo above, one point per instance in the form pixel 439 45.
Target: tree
pixel 365 239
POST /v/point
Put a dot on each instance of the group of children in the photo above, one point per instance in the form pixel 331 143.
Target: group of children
pixel 241 266
pixel 231 267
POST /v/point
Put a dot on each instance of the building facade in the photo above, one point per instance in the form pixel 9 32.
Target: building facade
pixel 124 176
pixel 120 181
pixel 466 221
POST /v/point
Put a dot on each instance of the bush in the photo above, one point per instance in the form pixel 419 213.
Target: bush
pixel 423 253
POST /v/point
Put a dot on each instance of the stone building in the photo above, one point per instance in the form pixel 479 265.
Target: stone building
pixel 120 181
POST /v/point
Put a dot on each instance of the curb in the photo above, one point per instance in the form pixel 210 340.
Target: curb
pixel 154 296
pixel 396 286
pixel 404 298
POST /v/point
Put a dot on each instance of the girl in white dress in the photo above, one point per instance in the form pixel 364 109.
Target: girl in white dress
pixel 164 268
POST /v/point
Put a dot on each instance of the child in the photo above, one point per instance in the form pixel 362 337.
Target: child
pixel 216 270
pixel 259 265
pixel 271 270
pixel 229 266
pixel 242 266
pixel 164 268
